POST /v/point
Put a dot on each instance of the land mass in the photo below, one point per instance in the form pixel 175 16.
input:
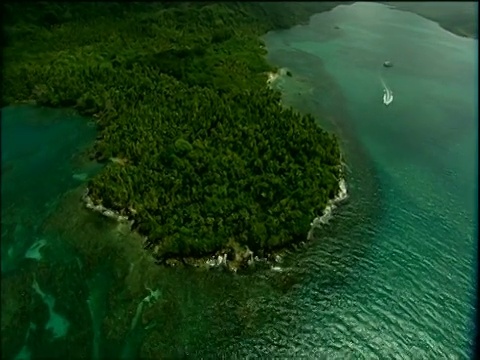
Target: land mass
pixel 200 155
pixel 460 18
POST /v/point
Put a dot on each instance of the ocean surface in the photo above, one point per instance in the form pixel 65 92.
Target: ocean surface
pixel 392 274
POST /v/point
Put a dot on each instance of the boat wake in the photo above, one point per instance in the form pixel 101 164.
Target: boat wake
pixel 387 94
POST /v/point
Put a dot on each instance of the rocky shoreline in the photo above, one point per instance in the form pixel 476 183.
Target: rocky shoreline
pixel 111 214
pixel 236 256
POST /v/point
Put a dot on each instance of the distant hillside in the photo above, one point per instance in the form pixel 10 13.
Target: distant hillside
pixel 458 17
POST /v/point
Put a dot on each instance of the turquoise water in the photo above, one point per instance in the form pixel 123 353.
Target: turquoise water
pixel 414 289
pixel 40 161
pixel 390 276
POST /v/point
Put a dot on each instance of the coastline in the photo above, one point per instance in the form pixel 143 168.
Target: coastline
pixel 102 107
pixel 240 257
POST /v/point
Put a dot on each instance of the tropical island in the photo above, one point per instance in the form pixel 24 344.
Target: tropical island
pixel 199 153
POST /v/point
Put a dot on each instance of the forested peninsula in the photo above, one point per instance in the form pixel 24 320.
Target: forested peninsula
pixel 200 155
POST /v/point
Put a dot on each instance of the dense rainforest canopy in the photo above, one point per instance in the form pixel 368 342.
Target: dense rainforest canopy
pixel 206 155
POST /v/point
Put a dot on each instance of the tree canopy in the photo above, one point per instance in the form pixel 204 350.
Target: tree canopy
pixel 178 90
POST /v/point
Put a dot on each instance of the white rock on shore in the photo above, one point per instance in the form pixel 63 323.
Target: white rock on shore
pixel 327 212
pixel 102 209
pixel 272 77
pixel 248 255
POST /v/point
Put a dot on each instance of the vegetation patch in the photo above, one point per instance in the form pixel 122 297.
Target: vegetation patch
pixel 202 155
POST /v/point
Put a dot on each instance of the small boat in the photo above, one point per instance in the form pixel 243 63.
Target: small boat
pixel 387 64
pixel 387 96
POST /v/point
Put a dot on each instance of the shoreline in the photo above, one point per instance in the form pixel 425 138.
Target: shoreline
pixel 234 257
pixel 231 254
